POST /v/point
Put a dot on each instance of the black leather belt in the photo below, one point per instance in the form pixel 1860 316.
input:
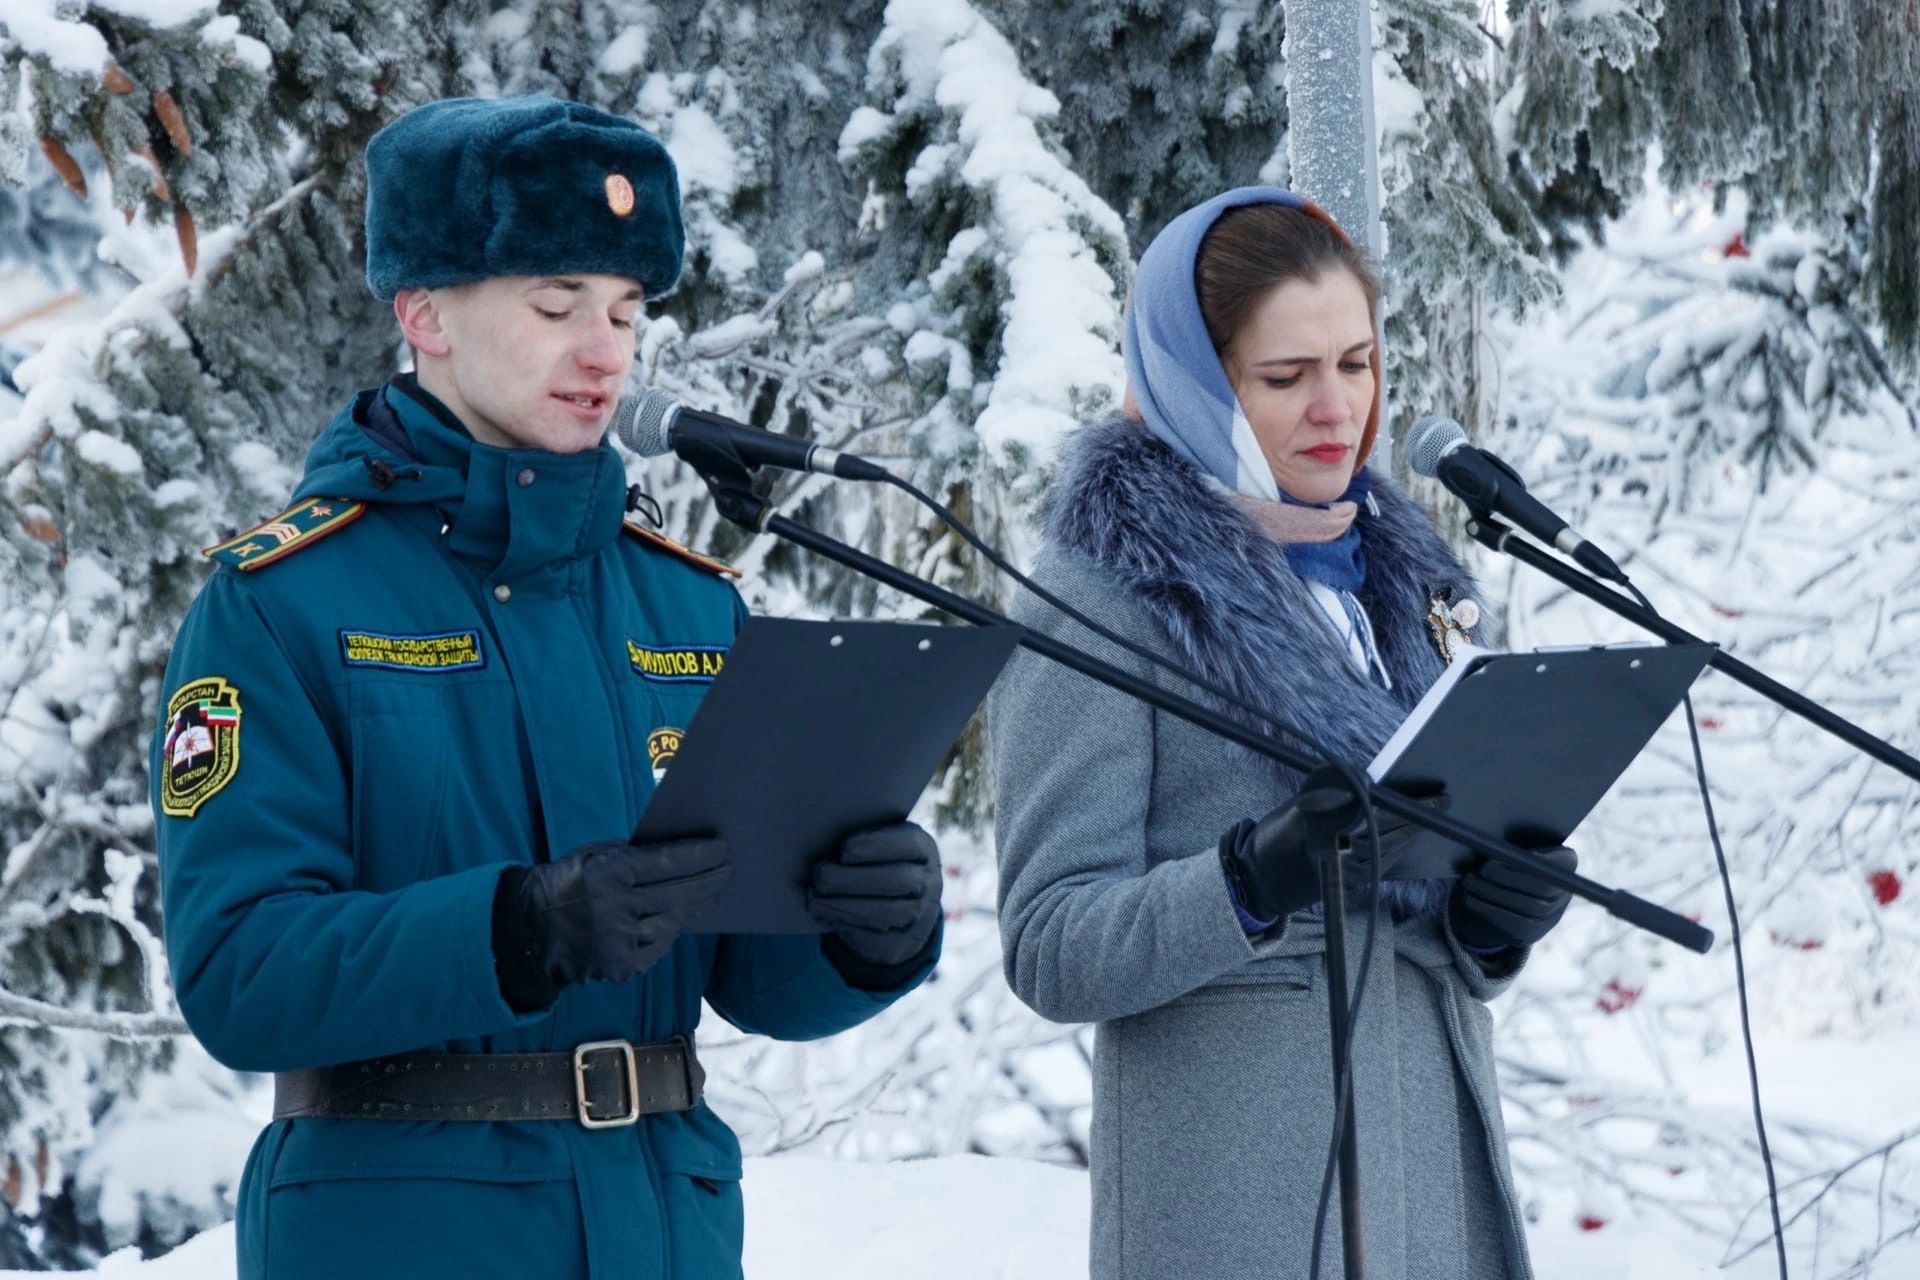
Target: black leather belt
pixel 603 1085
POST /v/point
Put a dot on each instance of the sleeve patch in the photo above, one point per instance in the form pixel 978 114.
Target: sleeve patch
pixel 201 753
pixel 298 526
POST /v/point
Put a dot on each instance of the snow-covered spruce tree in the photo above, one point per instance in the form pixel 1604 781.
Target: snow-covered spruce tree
pixel 1160 104
pixel 142 438
pixel 1812 109
pixel 1463 245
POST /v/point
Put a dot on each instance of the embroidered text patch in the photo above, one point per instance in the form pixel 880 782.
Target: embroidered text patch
pixel 442 651
pixel 685 664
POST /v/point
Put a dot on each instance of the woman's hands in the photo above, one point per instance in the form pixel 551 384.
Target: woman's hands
pixel 1270 865
pixel 1497 905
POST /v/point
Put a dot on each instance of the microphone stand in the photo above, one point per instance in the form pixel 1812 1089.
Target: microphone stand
pixel 1492 533
pixel 730 480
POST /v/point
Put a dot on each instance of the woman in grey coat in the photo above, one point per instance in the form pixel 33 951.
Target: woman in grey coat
pixel 1227 521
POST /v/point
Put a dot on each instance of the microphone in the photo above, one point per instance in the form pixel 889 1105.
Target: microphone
pixel 1437 446
pixel 653 423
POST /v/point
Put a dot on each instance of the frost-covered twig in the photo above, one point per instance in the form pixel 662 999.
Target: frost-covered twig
pixel 18 1010
pixel 1829 1179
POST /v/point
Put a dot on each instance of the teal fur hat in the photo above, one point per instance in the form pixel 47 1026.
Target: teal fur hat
pixel 469 188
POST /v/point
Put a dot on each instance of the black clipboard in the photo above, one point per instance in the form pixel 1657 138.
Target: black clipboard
pixel 812 731
pixel 1526 744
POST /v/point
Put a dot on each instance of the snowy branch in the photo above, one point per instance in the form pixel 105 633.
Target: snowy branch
pixel 18 1010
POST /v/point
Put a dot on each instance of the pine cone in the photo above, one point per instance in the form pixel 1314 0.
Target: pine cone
pixel 161 190
pixel 116 80
pixel 64 165
pixel 173 121
pixel 189 240
pixel 39 527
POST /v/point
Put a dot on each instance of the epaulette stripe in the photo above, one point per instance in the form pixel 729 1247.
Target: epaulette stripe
pixel 287 532
pixel 688 554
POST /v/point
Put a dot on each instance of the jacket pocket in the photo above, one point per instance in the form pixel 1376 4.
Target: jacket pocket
pixel 1280 979
pixel 701 1198
pixel 424 1226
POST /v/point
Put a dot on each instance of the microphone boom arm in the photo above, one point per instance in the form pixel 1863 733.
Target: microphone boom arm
pixel 1492 533
pixel 738 503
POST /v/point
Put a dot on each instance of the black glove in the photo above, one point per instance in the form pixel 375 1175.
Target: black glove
pixel 1270 863
pixel 602 913
pixel 879 897
pixel 1496 905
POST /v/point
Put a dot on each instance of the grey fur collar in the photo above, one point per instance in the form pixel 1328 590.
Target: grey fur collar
pixel 1223 593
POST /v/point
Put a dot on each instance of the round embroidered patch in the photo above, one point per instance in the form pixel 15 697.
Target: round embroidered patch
pixel 201 752
pixel 662 746
pixel 619 195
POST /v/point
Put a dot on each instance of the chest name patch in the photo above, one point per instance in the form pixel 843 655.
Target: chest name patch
pixel 684 664
pixel 441 651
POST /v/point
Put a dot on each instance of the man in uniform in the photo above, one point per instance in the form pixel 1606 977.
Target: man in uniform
pixel 409 724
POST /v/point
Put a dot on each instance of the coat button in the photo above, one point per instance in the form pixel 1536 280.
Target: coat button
pixel 503 593
pixel 526 477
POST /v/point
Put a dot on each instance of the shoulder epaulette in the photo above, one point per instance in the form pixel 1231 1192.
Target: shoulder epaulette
pixel 673 548
pixel 300 525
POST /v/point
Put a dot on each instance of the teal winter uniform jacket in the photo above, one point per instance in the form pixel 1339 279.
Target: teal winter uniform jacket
pixel 395 704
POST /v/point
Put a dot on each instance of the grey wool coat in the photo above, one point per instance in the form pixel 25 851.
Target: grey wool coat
pixel 1213 1099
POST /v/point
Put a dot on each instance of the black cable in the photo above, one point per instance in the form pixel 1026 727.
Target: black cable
pixel 1739 963
pixel 999 562
pixel 1357 780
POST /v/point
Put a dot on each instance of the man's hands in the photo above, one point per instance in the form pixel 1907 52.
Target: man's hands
pixel 1496 905
pixel 879 897
pixel 602 913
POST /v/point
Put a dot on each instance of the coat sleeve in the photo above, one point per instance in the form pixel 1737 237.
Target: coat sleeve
pixel 278 962
pixel 1093 923
pixel 785 987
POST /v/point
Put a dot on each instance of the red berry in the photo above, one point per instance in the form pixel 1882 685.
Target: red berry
pixel 1736 247
pixel 1615 997
pixel 1885 885
pixel 1710 722
pixel 1592 1224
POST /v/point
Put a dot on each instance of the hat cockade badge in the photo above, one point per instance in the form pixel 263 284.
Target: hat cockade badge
pixel 619 195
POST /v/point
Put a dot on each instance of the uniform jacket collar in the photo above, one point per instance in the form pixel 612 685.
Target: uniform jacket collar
pixel 514 511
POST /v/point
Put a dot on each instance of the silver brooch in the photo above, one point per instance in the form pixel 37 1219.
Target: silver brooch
pixel 1452 623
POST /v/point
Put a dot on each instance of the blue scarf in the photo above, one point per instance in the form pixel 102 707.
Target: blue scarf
pixel 1342 563
pixel 1183 395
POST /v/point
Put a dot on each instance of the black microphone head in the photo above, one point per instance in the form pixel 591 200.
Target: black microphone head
pixel 641 420
pixel 1431 439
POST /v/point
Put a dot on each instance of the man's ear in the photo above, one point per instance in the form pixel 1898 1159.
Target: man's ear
pixel 422 320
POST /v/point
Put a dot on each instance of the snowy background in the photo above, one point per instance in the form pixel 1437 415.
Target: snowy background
pixel 1660 256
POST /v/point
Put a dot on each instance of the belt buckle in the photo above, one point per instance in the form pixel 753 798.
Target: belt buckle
pixel 580 1054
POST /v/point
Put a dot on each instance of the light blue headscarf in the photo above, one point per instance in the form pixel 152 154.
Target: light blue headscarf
pixel 1183 394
